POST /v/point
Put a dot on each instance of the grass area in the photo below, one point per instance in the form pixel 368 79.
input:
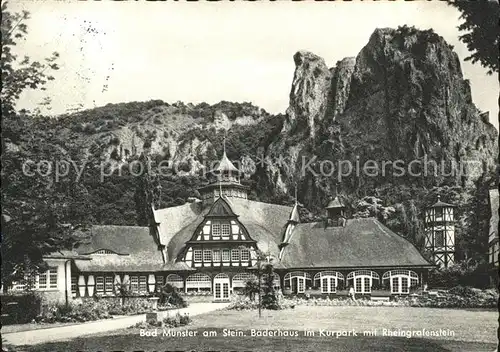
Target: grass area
pixel 475 330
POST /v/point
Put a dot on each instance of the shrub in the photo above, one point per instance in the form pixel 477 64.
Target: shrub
pixel 460 274
pixel 176 321
pixel 20 308
pixel 243 303
pixel 169 295
pixel 91 310
pixel 270 297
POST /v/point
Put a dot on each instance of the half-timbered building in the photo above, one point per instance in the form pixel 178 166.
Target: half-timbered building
pixel 210 246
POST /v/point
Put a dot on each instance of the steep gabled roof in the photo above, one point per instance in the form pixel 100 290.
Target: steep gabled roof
pixel 360 243
pixel 220 208
pixel 134 246
pixel 172 220
pixel 119 239
pixel 263 221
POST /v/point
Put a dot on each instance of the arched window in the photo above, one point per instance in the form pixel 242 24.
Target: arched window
pixel 296 280
pixel 198 282
pixel 328 281
pixel 400 281
pixel 175 280
pixel 362 280
pixel 240 280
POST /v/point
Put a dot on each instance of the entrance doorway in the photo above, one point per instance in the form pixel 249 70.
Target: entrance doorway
pixel 221 287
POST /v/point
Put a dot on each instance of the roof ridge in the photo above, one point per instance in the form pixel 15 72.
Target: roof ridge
pixel 127 226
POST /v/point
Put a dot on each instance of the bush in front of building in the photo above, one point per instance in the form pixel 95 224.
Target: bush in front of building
pixel 177 320
pixel 460 274
pixel 20 308
pixel 93 309
pixel 459 297
pixel 168 322
pixel 169 295
pixel 243 303
pixel 62 313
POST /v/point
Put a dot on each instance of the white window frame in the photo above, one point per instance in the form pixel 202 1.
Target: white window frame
pixel 332 279
pixel 134 284
pixel 216 229
pixel 74 285
pixel 235 255
pixel 108 284
pixel 143 284
pixel 363 275
pixel 99 284
pixel 225 230
pixel 47 280
pixel 175 281
pixel 398 276
pixel 245 255
pixel 443 234
pixel 197 255
pixel 240 280
pixel 302 278
pixel 207 255
pixel 226 255
pixel 159 281
pixel 199 281
pixel 216 256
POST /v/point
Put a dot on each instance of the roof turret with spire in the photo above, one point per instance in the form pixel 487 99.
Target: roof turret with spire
pixel 224 180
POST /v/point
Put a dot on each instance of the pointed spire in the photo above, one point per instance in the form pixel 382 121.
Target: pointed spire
pixel 296 201
pixel 224 142
pixel 220 189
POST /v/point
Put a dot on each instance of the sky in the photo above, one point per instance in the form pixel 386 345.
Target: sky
pixel 113 52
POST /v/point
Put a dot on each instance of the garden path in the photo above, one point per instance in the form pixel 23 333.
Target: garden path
pixel 60 333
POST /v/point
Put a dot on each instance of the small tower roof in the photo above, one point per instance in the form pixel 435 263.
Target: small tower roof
pixel 440 204
pixel 335 203
pixel 225 165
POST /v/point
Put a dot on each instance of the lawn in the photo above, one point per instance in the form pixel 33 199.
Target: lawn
pixel 474 330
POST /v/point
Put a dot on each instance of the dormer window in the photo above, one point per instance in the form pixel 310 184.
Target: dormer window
pixel 216 229
pixel 197 255
pixel 104 251
pixel 207 255
pixel 335 213
pixel 226 230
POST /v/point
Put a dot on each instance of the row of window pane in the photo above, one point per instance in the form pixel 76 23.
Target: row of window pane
pixel 221 229
pixel 48 279
pixel 216 255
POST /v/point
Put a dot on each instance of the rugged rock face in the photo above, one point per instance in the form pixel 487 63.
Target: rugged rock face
pixel 403 98
pixel 409 99
pixel 341 84
pixel 309 95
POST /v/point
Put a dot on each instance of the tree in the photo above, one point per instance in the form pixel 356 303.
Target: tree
pixel 41 212
pixel 481 29
pixel 251 289
pixel 19 75
pixel 264 266
pixel 147 191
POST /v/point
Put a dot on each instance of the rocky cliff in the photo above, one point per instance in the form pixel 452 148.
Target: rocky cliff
pixel 404 98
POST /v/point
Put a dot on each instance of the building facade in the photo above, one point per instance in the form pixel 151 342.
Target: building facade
pixel 210 247
pixel 440 233
pixel 493 245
